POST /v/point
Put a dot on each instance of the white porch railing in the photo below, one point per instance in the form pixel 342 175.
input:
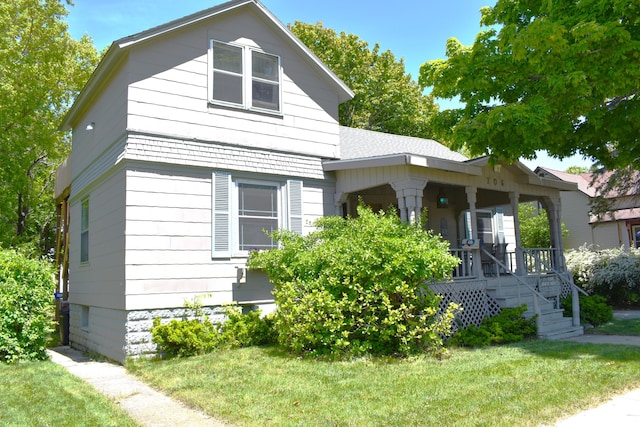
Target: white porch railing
pixel 538 266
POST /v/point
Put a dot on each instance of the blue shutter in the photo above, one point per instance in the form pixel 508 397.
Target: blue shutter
pixel 221 215
pixel 294 191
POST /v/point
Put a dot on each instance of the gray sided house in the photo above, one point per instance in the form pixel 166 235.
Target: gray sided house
pixel 192 137
pixel 620 227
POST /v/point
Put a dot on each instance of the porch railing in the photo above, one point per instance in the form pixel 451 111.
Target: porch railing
pixel 536 262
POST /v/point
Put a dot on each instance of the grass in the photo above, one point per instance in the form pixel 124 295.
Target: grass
pixel 618 327
pixel 526 384
pixel 45 394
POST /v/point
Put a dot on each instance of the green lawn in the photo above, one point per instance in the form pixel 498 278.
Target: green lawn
pixel 618 327
pixel 45 394
pixel 525 384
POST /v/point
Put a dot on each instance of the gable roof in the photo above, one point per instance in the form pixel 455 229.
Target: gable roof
pixel 582 180
pixel 119 48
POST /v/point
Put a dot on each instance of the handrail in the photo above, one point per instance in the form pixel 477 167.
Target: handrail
pixel 497 261
pixel 564 279
pixel 574 291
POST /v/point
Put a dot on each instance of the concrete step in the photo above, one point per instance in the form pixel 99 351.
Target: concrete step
pixel 573 331
pixel 549 327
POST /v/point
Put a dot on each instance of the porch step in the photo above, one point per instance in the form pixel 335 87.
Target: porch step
pixel 515 301
pixel 573 331
pixel 551 325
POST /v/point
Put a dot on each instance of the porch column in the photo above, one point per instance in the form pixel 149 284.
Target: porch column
pixel 409 194
pixel 514 197
pixel 471 200
pixel 555 231
pixel 340 200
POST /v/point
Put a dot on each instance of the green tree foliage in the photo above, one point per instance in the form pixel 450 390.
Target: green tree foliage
pixel 560 76
pixel 534 226
pixel 386 98
pixel 41 70
pixel 26 306
pixel 358 285
pixel 576 170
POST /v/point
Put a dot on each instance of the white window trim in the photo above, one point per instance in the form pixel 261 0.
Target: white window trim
pixel 235 211
pixel 225 239
pixel 247 79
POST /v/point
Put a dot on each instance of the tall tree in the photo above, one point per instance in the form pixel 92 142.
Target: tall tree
pixel 42 68
pixel 561 76
pixel 386 98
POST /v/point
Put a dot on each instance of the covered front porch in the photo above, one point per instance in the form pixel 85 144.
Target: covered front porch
pixel 473 204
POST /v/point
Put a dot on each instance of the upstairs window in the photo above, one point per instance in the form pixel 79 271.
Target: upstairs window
pixel 245 77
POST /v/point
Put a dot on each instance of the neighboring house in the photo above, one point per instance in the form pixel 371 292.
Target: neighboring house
pixel 192 137
pixel 620 227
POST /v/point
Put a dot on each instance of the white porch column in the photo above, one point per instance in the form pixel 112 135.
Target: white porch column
pixel 555 231
pixel 471 200
pixel 409 194
pixel 339 200
pixel 514 197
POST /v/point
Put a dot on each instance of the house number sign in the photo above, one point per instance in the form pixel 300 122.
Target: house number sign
pixel 495 181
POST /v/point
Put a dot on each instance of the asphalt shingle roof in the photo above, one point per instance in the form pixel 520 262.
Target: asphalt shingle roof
pixel 360 144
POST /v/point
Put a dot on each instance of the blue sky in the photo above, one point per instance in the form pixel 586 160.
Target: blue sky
pixel 415 30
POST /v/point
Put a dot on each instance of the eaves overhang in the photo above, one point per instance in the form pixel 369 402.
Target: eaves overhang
pixel 399 160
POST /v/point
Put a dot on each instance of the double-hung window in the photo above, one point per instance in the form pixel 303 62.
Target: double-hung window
pixel 258 211
pixel 84 231
pixel 244 77
pixel 243 210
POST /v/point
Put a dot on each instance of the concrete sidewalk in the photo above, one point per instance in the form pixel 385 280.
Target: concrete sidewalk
pixel 144 404
pixel 620 411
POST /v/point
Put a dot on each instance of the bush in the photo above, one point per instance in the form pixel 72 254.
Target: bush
pixel 358 285
pixel 593 309
pixel 26 307
pixel 190 337
pixel 245 329
pixel 186 337
pixel 506 327
pixel 611 273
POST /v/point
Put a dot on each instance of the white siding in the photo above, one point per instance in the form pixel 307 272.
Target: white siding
pixel 100 282
pixel 108 113
pixel 104 334
pixel 168 238
pixel 168 92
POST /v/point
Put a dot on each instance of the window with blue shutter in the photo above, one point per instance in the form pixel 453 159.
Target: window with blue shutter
pixel 243 210
pixel 221 215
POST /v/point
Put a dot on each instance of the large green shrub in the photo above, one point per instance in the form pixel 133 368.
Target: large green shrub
pixel 358 285
pixel 612 273
pixel 594 309
pixel 506 327
pixel 26 307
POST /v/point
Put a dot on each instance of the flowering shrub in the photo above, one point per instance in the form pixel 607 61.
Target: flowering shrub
pixel 612 273
pixel 358 286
